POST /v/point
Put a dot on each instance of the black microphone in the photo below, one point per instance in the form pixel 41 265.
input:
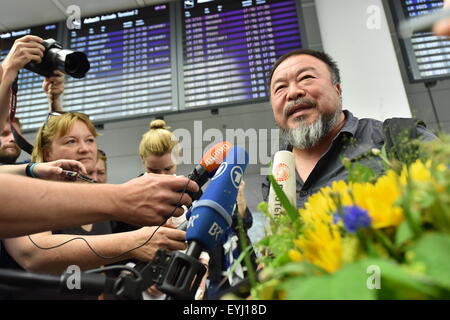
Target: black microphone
pixel 209 163
pixel 88 283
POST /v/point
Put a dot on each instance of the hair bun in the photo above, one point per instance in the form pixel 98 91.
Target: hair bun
pixel 158 124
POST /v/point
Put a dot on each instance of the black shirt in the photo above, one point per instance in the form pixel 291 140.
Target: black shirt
pixel 357 137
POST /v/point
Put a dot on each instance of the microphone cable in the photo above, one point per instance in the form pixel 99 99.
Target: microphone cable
pixel 124 253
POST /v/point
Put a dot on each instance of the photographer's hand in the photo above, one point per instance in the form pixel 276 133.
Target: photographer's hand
pixel 54 87
pixel 23 51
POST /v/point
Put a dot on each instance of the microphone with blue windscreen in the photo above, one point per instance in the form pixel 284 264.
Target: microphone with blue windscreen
pixel 209 218
pixel 211 215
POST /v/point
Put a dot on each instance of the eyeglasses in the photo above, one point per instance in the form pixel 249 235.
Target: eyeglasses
pixel 54 114
pixel 60 113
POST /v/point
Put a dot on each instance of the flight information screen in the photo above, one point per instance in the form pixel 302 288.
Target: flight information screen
pixel 230 46
pixel 131 66
pixel 427 55
pixel 32 105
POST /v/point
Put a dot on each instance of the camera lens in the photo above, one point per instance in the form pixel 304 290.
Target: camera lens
pixel 76 64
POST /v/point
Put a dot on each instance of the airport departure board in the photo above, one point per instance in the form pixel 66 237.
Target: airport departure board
pixel 230 46
pixel 32 105
pixel 427 56
pixel 161 59
pixel 131 68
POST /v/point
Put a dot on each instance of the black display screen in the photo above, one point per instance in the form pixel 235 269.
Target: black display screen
pixel 427 56
pixel 167 58
pixel 131 65
pixel 32 104
pixel 229 47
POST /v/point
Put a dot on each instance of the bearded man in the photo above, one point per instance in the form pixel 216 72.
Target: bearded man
pixel 306 97
pixel 9 150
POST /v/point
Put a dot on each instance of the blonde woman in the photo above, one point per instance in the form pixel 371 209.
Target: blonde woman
pixel 159 149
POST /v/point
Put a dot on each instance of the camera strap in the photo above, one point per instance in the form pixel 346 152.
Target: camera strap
pixel 18 138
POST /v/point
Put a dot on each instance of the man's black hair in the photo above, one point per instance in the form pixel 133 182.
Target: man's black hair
pixel 332 65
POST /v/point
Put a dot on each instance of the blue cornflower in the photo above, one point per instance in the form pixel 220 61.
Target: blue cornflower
pixel 354 218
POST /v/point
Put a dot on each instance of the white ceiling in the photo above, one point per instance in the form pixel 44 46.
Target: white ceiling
pixel 16 14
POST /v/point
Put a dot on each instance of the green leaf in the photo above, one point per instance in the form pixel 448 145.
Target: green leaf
pixel 296 268
pixel 290 209
pixel 398 283
pixel 360 173
pixel 263 207
pixel 433 250
pixel 404 234
pixel 359 282
pixel 426 199
pixel 347 283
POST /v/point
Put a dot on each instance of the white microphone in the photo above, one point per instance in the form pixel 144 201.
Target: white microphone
pixel 283 171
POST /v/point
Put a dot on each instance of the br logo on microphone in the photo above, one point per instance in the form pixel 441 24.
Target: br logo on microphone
pixel 215 231
pixel 281 172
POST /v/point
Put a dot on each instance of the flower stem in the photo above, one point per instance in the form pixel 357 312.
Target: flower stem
pixel 387 244
pixel 244 245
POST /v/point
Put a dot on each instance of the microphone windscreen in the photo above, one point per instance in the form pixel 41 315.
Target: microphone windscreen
pixel 212 159
pixel 211 215
pixel 283 171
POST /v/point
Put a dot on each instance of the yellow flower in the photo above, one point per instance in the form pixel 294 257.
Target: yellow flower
pixel 324 201
pixel 417 172
pixel 294 255
pixel 342 190
pixel 320 202
pixel 378 199
pixel 320 244
pixel 420 172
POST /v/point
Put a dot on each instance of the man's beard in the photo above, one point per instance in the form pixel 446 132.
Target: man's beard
pixel 9 156
pixel 306 136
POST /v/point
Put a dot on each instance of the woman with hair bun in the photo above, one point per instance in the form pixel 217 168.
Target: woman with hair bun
pixel 159 149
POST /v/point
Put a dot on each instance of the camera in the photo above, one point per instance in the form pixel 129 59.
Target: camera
pixel 73 63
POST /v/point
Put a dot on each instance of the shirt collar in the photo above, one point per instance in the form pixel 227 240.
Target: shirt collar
pixel 351 123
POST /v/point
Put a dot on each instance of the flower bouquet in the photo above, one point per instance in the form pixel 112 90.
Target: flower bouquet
pixel 372 237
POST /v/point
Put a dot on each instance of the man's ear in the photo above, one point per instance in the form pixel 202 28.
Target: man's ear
pixel 338 89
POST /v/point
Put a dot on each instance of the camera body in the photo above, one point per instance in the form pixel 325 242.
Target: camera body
pixel 73 63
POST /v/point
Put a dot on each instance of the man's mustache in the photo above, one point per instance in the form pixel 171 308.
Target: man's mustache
pixel 293 105
pixel 9 145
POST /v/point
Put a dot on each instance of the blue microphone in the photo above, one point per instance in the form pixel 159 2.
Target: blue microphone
pixel 210 216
